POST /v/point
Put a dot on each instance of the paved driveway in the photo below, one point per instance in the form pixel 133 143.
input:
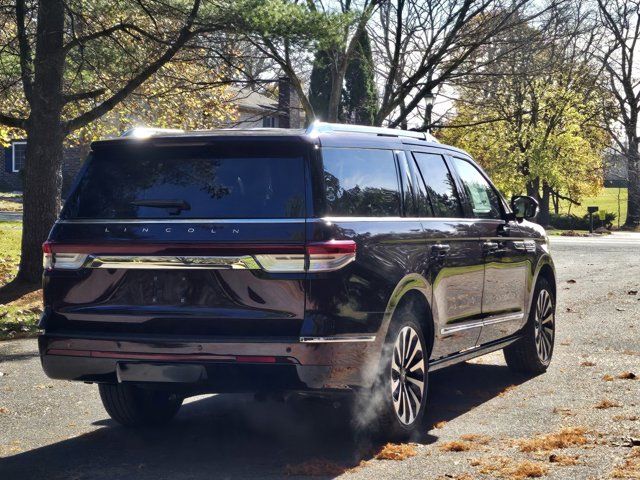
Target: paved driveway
pixel 55 430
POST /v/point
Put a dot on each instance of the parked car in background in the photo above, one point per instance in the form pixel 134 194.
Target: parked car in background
pixel 332 259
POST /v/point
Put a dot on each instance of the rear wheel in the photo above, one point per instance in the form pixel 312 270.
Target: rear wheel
pixel 532 353
pixel 401 387
pixel 134 406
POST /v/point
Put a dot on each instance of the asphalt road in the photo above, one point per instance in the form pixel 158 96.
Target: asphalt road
pixel 58 430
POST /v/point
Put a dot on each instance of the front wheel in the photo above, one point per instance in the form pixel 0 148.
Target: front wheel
pixel 133 406
pixel 401 387
pixel 532 353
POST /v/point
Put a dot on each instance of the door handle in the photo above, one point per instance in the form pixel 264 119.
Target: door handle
pixel 440 250
pixel 490 247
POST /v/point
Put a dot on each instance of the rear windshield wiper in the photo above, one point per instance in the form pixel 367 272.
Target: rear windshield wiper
pixel 176 205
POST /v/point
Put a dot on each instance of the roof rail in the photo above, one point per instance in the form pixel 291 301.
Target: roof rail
pixel 322 127
pixel 146 132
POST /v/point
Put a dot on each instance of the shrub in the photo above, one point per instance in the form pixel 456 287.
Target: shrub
pixel 573 222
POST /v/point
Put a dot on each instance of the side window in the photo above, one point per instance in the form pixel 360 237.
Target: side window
pixel 482 197
pixel 360 182
pixel 440 185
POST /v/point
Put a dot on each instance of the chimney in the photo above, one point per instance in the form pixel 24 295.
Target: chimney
pixel 284 102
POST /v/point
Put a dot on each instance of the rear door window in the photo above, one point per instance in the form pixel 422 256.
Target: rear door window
pixel 188 182
pixel 440 185
pixel 360 182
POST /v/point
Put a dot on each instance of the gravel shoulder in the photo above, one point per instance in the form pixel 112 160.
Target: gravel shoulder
pixel 488 422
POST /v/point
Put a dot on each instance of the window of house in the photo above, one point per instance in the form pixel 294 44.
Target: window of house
pixel 360 182
pixel 269 122
pixel 440 185
pixel 18 150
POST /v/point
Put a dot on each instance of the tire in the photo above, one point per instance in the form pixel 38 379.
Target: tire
pixel 532 353
pixel 133 406
pixel 400 390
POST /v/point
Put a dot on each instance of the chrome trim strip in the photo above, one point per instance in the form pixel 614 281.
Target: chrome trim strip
pixel 503 318
pixel 339 339
pixel 459 328
pixel 244 262
pixel 180 220
pixel 492 320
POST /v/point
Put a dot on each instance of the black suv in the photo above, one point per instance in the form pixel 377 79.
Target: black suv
pixel 337 258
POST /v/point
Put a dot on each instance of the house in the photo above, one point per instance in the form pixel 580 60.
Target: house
pixel 254 110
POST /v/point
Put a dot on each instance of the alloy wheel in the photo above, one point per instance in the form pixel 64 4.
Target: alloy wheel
pixel 407 375
pixel 544 326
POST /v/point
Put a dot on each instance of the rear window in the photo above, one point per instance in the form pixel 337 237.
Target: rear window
pixel 188 183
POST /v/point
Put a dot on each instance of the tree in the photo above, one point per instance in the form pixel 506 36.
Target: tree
pixel 620 21
pixel 65 64
pixel 538 125
pixel 359 96
pixel 289 33
pixel 422 45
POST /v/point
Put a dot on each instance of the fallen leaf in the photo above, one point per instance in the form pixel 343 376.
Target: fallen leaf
pixel 571 281
pixel 605 403
pixel 627 376
pixel 394 451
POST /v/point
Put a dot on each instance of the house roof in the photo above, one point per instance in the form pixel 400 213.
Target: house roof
pixel 248 99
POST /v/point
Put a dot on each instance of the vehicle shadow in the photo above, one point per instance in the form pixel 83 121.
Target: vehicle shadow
pixel 234 436
pixel 16 289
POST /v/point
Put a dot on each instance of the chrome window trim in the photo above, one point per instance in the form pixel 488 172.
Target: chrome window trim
pixel 339 339
pixel 83 221
pixel 492 320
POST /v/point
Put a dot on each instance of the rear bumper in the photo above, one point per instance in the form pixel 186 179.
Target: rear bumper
pixel 229 365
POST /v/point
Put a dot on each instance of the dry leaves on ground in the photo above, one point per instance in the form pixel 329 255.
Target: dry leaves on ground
pixel 563 460
pixel 504 467
pixel 606 403
pixel 566 437
pixel 630 469
pixel 627 376
pixel 395 451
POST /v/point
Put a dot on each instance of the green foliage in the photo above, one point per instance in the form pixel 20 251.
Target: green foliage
pixel 285 19
pixel 358 102
pixel 549 134
pixel 359 95
pixel 320 84
pixel 575 222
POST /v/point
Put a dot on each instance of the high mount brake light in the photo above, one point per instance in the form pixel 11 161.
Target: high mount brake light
pixel 316 257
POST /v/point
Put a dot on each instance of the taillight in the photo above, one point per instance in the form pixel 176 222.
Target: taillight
pixel 318 257
pixel 330 256
pixel 61 260
pixel 315 257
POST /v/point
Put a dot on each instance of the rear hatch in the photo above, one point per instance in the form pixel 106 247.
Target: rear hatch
pixel 185 238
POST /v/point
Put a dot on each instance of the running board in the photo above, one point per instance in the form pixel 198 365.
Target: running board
pixel 472 353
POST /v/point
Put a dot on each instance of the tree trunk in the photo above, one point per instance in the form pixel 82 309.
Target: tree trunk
pixel 544 217
pixel 633 200
pixel 337 80
pixel 45 136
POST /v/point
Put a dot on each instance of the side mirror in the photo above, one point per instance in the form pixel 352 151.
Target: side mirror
pixel 524 207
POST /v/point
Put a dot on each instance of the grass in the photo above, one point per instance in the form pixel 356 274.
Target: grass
pixel 607 200
pixel 10 202
pixel 20 305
